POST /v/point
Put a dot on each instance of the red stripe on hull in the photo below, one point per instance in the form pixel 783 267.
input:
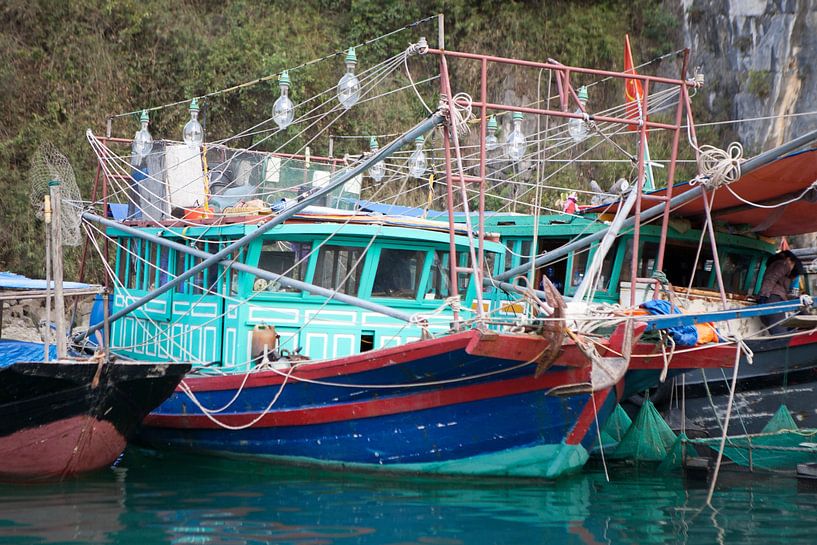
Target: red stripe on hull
pixel 378 407
pixel 59 449
pixel 487 344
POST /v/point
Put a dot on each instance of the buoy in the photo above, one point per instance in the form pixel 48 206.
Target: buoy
pixel 264 342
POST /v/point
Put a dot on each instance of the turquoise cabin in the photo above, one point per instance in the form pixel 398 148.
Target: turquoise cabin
pixel 742 258
pixel 210 319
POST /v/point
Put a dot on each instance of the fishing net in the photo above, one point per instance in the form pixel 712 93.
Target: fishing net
pixel 48 164
pixel 649 438
pixel 614 430
pixel 780 445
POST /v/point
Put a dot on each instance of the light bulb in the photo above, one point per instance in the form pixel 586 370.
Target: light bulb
pixel 491 141
pixel 193 134
pixel 349 85
pixel 516 142
pixel 377 170
pixel 283 111
pixel 417 162
pixel 142 140
pixel 576 126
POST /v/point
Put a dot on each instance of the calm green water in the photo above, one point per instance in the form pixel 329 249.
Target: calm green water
pixel 158 499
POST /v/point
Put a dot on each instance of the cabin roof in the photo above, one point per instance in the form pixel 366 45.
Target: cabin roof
pixel 770 186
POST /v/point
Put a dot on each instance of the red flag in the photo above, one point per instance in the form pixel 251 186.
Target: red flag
pixel 633 91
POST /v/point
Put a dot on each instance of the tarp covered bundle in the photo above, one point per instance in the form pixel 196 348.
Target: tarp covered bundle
pixel 14 351
pixel 11 281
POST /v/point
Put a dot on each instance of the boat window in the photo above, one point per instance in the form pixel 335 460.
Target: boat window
pixel 211 273
pixel 679 262
pixel 233 288
pixel 121 260
pixel 488 269
pixel 164 266
pixel 132 257
pixel 606 270
pixel 438 281
pixel 579 266
pixel 735 270
pixel 646 261
pixel 524 251
pixel 508 254
pixel 339 268
pixel 398 273
pixel 463 277
pixel 181 266
pixel 288 259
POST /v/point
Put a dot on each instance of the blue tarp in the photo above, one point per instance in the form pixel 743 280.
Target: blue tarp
pixel 119 211
pixel 14 351
pixel 11 281
pixel 683 335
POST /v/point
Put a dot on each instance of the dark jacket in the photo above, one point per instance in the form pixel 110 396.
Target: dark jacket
pixel 776 281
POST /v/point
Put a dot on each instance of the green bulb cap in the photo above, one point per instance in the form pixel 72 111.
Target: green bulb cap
pixel 492 125
pixel 351 56
pixel 583 96
pixel 518 115
pixel 194 105
pixel 419 140
pixel 144 117
pixel 373 143
pixel 283 79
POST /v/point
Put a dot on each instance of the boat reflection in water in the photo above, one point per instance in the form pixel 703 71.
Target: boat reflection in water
pixel 169 498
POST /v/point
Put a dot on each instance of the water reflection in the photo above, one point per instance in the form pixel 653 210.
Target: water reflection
pixel 175 499
pixel 73 511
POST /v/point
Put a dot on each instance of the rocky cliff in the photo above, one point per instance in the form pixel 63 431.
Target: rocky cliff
pixel 758 57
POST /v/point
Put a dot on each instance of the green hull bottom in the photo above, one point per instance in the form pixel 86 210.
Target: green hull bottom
pixel 542 462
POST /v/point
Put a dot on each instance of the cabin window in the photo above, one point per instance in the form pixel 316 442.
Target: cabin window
pixel 132 258
pixel 164 266
pixel 646 261
pixel 579 266
pixel 489 259
pixel 509 254
pixel 233 278
pixel 606 270
pixel 524 251
pixel 288 259
pixel 679 261
pixel 736 269
pixel 211 273
pixel 339 268
pixel 463 277
pixel 398 273
pixel 439 278
pixel 122 261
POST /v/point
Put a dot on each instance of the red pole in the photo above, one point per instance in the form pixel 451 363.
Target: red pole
pixel 662 245
pixel 482 159
pixel 559 67
pixel 452 245
pixel 639 191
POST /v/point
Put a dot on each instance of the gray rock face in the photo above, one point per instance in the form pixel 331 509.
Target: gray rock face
pixel 758 57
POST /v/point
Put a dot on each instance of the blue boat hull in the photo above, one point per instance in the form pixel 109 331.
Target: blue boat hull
pixel 440 408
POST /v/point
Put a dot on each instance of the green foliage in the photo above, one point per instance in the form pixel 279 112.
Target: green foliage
pixel 67 66
pixel 759 83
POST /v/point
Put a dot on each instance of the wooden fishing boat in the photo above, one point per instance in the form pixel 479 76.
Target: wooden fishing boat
pixel 367 341
pixel 64 417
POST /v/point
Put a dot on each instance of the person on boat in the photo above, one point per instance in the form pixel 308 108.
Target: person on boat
pixel 571 205
pixel 781 268
pixel 550 273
